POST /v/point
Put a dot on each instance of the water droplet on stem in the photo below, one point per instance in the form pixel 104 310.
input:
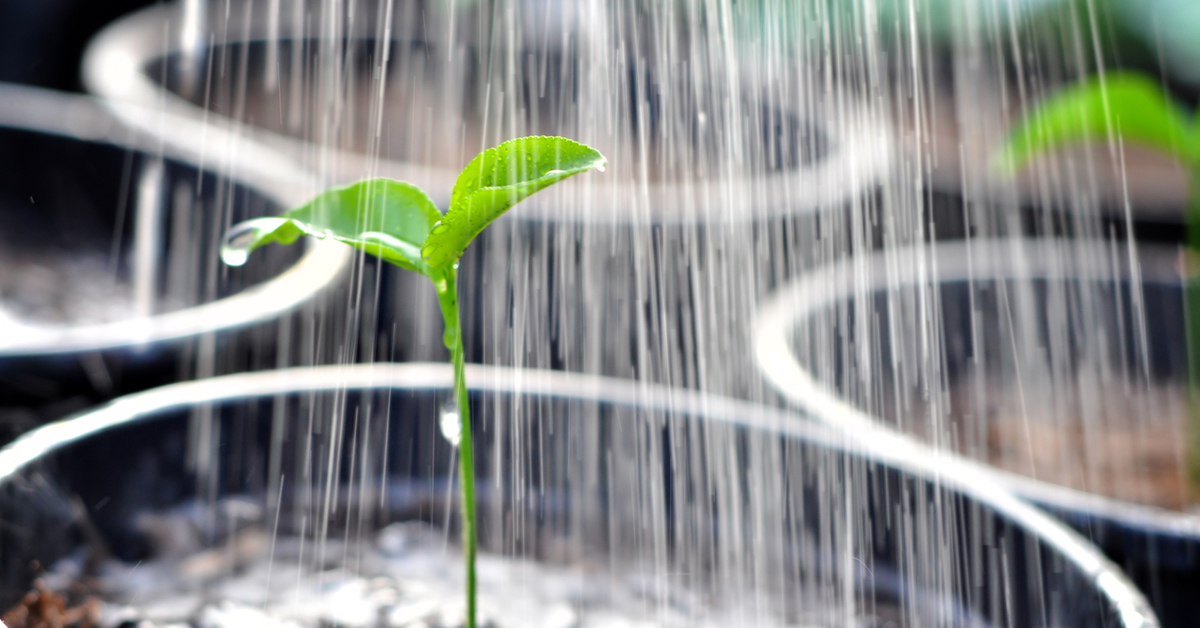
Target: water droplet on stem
pixel 450 422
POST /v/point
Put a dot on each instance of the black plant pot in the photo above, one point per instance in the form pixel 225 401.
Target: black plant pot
pixel 1042 358
pixel 720 144
pixel 110 244
pixel 643 265
pixel 737 504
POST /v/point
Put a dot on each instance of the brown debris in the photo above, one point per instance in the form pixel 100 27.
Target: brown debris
pixel 43 608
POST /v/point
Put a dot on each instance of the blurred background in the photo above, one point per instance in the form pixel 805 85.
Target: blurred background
pixel 43 42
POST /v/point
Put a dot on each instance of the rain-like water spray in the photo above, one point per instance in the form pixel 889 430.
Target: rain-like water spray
pixel 801 356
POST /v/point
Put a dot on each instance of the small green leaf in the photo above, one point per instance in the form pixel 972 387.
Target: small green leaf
pixel 386 218
pixel 497 179
pixel 1124 104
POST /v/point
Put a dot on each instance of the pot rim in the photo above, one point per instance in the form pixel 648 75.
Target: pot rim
pixel 86 119
pixel 114 68
pixel 957 261
pixel 950 471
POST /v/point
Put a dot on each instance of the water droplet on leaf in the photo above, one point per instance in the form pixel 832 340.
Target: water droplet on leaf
pixel 244 237
pixel 234 257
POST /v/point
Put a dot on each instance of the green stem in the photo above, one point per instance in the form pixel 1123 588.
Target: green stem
pixel 448 298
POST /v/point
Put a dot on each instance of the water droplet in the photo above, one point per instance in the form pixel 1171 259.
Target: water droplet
pixel 440 228
pixel 451 422
pixel 244 237
pixel 599 168
pixel 234 257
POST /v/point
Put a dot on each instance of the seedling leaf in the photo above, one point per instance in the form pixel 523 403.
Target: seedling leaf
pixel 1124 104
pixel 386 218
pixel 497 179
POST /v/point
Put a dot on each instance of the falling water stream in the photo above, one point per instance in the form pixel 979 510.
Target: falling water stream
pixel 753 146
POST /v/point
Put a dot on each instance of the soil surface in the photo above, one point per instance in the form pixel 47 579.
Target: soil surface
pixel 47 289
pixel 1115 441
pixel 43 608
pixel 405 575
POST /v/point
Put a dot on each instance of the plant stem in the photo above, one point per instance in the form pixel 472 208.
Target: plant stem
pixel 447 292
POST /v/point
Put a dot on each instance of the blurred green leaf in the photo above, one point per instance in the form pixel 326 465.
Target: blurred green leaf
pixel 1128 105
pixel 383 217
pixel 497 179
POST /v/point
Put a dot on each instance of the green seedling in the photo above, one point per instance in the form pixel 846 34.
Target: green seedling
pixel 398 222
pixel 1129 108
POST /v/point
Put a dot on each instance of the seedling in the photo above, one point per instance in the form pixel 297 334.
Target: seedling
pixel 1135 109
pixel 397 222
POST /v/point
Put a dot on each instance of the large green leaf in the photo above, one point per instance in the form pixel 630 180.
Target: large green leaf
pixel 497 179
pixel 1124 104
pixel 383 217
